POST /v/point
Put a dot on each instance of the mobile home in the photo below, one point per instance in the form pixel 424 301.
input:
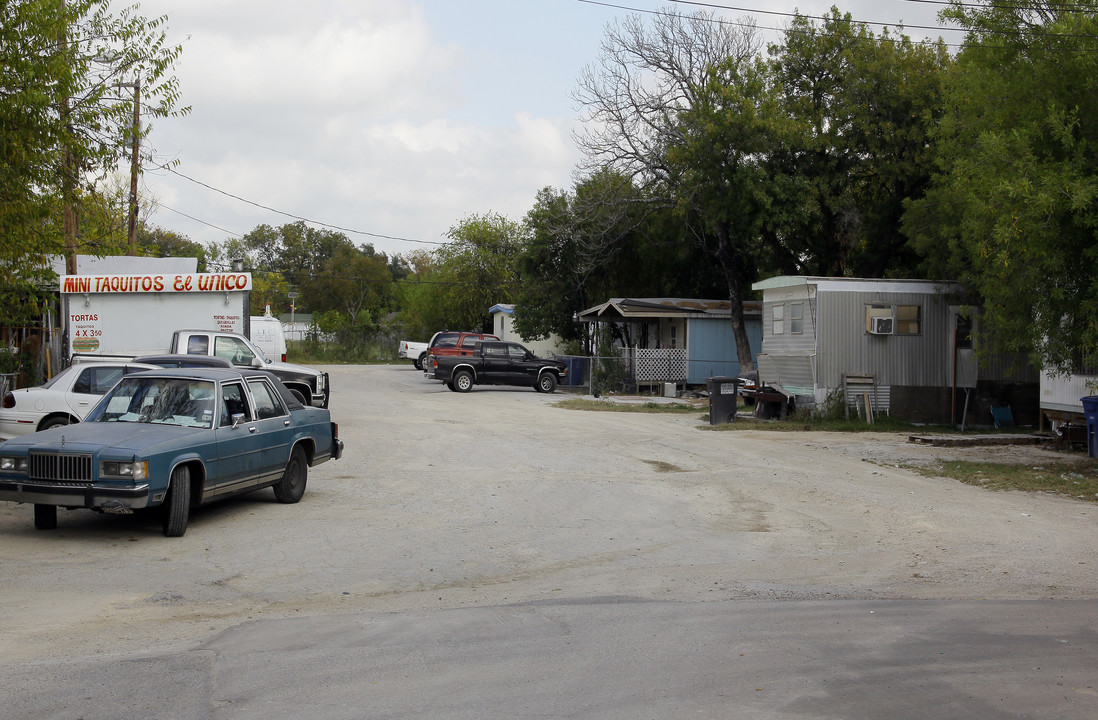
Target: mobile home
pixel 905 346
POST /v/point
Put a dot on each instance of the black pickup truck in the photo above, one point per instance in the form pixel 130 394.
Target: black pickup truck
pixel 498 363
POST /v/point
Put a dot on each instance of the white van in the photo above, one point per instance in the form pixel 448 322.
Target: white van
pixel 267 335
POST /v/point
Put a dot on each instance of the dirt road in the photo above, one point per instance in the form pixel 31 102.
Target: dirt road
pixel 447 500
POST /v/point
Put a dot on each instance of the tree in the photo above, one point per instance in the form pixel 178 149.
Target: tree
pixel 1013 210
pixel 158 242
pixel 477 268
pixel 63 123
pixel 864 106
pixel 634 100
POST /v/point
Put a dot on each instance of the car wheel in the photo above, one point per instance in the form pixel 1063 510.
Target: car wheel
pixel 53 422
pixel 547 382
pixel 463 381
pixel 419 361
pixel 292 485
pixel 300 397
pixel 177 504
pixel 45 517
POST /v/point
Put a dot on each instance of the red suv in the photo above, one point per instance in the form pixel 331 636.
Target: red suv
pixel 453 343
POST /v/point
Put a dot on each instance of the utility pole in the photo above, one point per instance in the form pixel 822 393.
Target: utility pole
pixel 68 162
pixel 134 165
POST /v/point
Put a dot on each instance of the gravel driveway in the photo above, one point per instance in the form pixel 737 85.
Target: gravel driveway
pixel 446 500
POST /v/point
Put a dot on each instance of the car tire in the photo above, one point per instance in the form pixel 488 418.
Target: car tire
pixel 463 381
pixel 419 361
pixel 177 503
pixel 54 422
pixel 45 517
pixel 451 386
pixel 547 382
pixel 294 478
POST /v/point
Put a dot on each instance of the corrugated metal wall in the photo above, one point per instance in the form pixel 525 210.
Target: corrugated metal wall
pixel 919 360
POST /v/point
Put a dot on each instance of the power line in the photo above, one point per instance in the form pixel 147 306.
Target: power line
pixel 809 17
pixel 299 217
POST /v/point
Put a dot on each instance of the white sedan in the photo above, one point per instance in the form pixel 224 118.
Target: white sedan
pixel 64 400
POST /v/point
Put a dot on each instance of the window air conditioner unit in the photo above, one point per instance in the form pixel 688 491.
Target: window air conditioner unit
pixel 881 325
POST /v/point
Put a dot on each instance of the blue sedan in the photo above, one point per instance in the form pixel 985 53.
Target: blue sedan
pixel 176 439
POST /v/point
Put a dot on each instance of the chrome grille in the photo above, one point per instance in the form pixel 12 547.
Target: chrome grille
pixel 60 468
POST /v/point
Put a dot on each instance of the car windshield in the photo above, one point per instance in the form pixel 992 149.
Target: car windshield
pixel 164 401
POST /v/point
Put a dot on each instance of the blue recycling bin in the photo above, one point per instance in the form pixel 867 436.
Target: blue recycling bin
pixel 1090 411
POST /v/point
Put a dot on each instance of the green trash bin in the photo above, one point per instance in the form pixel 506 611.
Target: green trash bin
pixel 723 396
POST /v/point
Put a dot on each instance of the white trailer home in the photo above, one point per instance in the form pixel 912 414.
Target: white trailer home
pixel 905 345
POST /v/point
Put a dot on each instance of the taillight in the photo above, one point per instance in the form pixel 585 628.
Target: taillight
pixel 335 430
pixel 9 400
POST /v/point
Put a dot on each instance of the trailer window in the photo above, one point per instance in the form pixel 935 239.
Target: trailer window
pixel 908 320
pixel 779 319
pixel 796 318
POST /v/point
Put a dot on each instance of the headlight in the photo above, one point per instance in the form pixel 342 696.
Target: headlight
pixel 320 384
pixel 14 464
pixel 129 469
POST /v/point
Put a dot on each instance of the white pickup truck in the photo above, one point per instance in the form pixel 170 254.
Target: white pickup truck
pixel 414 351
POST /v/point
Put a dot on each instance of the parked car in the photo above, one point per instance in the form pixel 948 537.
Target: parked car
pixel 499 363
pixel 172 438
pixel 63 400
pixel 447 343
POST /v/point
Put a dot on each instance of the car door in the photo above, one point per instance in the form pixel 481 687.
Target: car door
pixel 495 364
pixel 255 449
pixel 90 385
pixel 523 366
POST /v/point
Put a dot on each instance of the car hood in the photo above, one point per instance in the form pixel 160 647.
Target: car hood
pixel 88 437
pixel 290 368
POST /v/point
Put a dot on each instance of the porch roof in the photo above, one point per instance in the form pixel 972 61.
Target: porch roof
pixel 617 309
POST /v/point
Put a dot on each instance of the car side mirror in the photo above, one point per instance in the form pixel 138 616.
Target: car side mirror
pixel 237 418
pixel 256 362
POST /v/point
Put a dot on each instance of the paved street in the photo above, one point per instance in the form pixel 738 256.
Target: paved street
pixel 491 555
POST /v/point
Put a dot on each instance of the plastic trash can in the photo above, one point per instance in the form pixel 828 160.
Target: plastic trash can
pixel 723 395
pixel 1090 410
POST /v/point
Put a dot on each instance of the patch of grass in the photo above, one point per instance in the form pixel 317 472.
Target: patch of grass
pixel 610 406
pixel 1076 480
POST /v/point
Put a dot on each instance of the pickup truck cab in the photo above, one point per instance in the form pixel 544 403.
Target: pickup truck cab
pixel 309 386
pixel 499 363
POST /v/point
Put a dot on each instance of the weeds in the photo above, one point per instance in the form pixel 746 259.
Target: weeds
pixel 1077 480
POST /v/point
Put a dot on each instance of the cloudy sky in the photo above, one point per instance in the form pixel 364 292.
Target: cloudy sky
pixel 391 120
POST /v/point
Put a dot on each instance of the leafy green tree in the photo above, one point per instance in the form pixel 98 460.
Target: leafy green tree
pixel 351 282
pixel 478 268
pixel 599 241
pixel 1013 211
pixel 158 242
pixel 64 122
pixel 863 107
pixel 422 311
pixel 735 202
